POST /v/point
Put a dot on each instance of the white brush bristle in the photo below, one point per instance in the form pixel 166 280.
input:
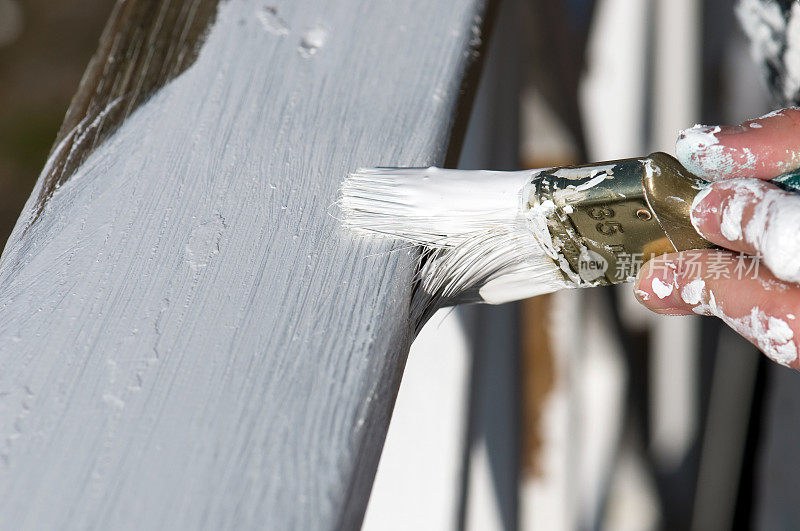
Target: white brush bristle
pixel 469 221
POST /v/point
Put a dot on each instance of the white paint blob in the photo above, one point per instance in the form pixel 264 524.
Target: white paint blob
pixel 692 293
pixel 731 225
pixel 312 41
pixel 661 289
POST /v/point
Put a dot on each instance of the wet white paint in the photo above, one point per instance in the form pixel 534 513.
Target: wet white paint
pixel 482 232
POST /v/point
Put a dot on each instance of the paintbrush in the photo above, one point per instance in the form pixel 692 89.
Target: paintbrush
pixel 491 236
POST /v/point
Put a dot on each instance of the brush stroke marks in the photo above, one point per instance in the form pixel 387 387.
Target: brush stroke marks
pixel 188 339
pixel 146 43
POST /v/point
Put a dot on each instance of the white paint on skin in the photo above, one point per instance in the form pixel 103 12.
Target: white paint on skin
pixel 772 228
pixel 790 162
pixel 748 192
pixel 773 336
pixel 699 150
pixel 779 112
pixel 661 289
pixel 773 232
pixel 731 225
pixel 692 293
pixel 702 194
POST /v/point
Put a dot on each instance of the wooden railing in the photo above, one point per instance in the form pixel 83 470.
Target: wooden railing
pixel 188 338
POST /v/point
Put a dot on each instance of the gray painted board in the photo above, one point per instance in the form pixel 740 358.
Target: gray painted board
pixel 188 339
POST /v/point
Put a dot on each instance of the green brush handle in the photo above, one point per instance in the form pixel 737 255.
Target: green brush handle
pixel 789 181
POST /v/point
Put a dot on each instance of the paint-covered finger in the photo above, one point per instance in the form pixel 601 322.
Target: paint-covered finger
pixel 763 148
pixel 752 301
pixel 752 217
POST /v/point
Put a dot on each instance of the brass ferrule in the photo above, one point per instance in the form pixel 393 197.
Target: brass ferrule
pixel 611 217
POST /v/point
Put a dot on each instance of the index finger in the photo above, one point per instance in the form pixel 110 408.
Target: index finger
pixel 762 148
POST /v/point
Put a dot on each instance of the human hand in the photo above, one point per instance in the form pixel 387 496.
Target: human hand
pixel 757 297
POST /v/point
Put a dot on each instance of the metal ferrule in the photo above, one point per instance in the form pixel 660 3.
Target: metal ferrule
pixel 610 218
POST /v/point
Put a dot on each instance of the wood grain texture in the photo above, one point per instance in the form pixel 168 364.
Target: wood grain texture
pixel 188 338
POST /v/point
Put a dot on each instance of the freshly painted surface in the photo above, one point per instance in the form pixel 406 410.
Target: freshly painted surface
pixel 189 339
